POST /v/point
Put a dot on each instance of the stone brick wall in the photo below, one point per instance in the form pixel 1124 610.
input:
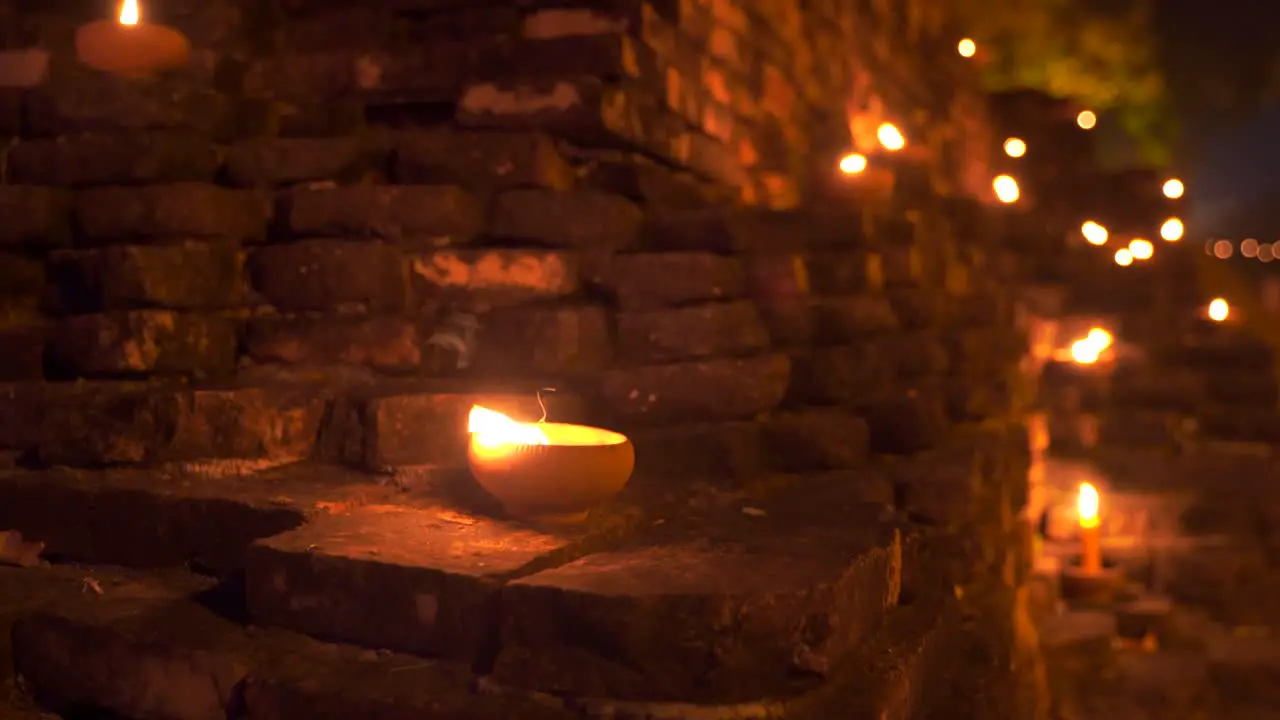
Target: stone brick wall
pixel 503 198
pixel 341 227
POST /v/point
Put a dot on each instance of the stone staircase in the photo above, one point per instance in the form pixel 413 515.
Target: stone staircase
pixel 259 297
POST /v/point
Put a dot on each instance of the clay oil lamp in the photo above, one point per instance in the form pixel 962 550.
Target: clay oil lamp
pixel 129 47
pixel 1090 580
pixel 546 472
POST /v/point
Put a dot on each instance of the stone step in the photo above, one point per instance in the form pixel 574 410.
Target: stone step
pixel 154 518
pixel 720 605
pixel 148 646
pixel 156 645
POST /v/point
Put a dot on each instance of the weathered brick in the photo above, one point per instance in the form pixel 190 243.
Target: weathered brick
pixel 907 422
pixel 21 276
pixel 289 161
pixel 430 72
pixel 90 424
pixel 143 341
pixel 593 113
pixel 104 423
pixel 843 375
pixel 23 355
pixel 105 159
pixel 175 212
pixel 584 219
pixel 496 276
pixel 721 230
pixel 842 273
pixel 918 308
pixel 489 161
pixel 536 342
pixel 330 274
pixel 649 281
pixel 903 265
pixel 87 101
pixel 419 215
pixel 918 354
pixel 720 453
pixel 436 601
pixel 385 343
pixel 853 317
pixel 816 439
pixel 191 276
pixel 779 284
pixel 278 423
pixel 690 333
pixel 816 555
pixel 34 216
pixel 430 428
pixel 706 390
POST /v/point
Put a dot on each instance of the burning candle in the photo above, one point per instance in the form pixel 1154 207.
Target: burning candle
pixel 129 47
pixel 1090 529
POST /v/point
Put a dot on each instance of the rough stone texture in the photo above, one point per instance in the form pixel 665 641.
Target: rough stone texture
pixel 496 276
pixel 290 161
pixel 190 276
pixel 144 341
pixel 424 216
pixel 111 423
pixel 651 281
pixel 329 275
pixel 733 610
pixel 480 160
pixel 723 453
pixel 583 219
pixel 817 439
pixel 428 428
pixel 107 158
pixel 433 574
pixel 170 212
pixel 37 216
pixel 707 390
pixel 208 519
pixel 144 648
pixel 542 342
pixel 690 333
pixel 382 342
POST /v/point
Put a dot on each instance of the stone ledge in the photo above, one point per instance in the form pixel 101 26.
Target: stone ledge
pixel 112 423
pixel 144 647
pixel 157 518
pixel 433 574
pixel 741 603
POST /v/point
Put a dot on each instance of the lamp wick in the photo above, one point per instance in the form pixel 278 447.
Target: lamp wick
pixel 542 405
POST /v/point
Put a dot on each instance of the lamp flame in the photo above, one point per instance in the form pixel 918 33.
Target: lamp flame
pixel 129 13
pixel 490 428
pixel 1087 505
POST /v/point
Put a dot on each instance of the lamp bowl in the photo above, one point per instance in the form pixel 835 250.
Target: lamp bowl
pixel 131 51
pixel 579 468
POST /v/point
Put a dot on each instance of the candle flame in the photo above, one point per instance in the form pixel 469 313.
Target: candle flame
pixel 1087 505
pixel 129 12
pixel 490 428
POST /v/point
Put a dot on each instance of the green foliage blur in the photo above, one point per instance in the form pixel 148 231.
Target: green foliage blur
pixel 1103 54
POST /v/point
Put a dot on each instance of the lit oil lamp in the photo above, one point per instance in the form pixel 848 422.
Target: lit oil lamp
pixel 1090 529
pixel 129 47
pixel 546 472
pixel 1091 581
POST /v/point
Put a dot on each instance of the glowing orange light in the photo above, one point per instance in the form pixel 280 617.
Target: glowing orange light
pixel 967 48
pixel 491 429
pixel 890 137
pixel 1173 188
pixel 1219 310
pixel 853 163
pixel 1087 120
